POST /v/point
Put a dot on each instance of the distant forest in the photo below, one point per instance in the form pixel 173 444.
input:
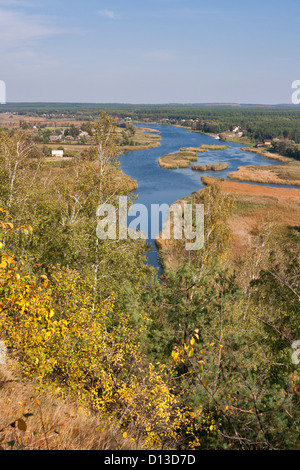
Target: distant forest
pixel 257 122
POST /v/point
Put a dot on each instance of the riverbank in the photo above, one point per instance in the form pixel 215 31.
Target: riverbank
pixel 144 138
pixel 286 173
pixel 281 194
pixel 249 146
pixel 266 154
pixel 53 169
pixel 162 187
pixel 254 207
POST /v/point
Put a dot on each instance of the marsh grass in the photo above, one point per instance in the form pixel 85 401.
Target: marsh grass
pixel 193 149
pixel 213 147
pixel 186 155
pixel 287 173
pixel 267 154
pixel 210 167
pixel 181 159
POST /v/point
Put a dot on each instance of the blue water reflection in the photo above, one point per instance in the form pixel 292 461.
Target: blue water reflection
pixel 158 185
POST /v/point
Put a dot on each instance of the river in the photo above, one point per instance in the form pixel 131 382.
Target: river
pixel 158 185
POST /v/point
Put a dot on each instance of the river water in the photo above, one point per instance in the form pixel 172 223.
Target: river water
pixel 158 185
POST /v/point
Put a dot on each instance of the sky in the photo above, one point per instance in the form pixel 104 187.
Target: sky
pixel 158 51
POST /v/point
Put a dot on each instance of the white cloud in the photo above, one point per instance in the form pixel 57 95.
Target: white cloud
pixel 107 14
pixel 18 29
pixel 20 49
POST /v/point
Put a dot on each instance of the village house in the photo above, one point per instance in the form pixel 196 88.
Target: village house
pixel 55 138
pixel 57 153
pixel 230 134
pixel 266 142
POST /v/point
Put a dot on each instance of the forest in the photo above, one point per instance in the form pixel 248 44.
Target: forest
pixel 257 122
pixel 200 359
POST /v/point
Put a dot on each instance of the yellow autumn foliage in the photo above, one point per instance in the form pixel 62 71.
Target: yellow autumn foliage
pixel 26 321
pixel 89 349
pixel 101 360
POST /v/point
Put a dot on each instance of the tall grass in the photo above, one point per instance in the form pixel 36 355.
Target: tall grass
pixel 31 419
pixel 177 160
pixel 210 167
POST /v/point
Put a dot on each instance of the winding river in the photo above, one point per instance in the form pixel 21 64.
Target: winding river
pixel 158 185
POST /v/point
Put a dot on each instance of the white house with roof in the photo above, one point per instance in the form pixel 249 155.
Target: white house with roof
pixel 57 153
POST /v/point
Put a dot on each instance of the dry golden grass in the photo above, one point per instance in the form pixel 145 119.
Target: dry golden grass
pixel 174 254
pixel 230 187
pixel 143 138
pixel 213 147
pixel 54 169
pixel 266 154
pixel 193 149
pixel 287 173
pixel 254 206
pixel 186 155
pixel 66 146
pixel 210 167
pixel 177 160
pixel 51 423
pixel 13 120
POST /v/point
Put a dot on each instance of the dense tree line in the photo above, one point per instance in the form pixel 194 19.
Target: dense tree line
pixel 257 123
pixel 287 148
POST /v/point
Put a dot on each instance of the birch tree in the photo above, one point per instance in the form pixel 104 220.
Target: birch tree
pixel 15 156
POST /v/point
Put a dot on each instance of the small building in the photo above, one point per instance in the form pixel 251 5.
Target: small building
pixel 267 142
pixel 55 138
pixel 57 153
pixel 260 144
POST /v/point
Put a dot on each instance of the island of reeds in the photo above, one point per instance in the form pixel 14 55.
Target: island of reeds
pixel 210 167
pixel 177 160
pixel 186 155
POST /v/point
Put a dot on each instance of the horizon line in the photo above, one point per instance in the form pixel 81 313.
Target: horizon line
pixel 151 104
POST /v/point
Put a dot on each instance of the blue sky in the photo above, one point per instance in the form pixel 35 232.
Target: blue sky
pixel 158 51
